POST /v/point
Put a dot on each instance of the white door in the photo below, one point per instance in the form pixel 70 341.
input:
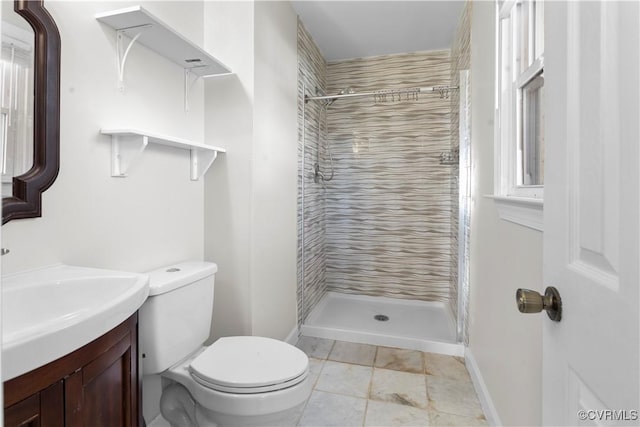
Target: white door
pixel 592 215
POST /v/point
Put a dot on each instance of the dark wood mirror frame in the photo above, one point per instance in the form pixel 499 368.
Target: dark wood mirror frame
pixel 28 187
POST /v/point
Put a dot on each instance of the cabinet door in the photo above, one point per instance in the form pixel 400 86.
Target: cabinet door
pixel 43 409
pixel 96 385
pixel 104 392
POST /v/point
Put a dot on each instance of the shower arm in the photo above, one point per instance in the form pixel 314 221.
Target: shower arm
pixel 432 89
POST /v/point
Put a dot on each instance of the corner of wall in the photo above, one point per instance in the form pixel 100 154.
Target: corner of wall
pixel 274 160
pixel 488 407
pixel 506 346
pixel 228 28
pixel 250 193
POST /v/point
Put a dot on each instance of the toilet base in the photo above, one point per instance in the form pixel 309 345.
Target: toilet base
pixel 180 409
pixel 186 403
pixel 288 418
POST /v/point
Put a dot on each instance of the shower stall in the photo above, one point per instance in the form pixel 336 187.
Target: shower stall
pixel 382 199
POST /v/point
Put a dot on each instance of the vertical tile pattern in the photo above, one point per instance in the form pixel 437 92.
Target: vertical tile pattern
pixel 311 196
pixel 460 60
pixel 389 205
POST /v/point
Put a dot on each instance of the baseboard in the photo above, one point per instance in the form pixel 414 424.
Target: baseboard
pixel 292 338
pixel 481 388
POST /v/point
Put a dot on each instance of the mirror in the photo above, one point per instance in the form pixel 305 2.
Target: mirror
pixel 16 99
pixel 30 101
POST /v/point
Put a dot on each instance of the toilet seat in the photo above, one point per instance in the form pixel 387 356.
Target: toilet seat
pixel 247 365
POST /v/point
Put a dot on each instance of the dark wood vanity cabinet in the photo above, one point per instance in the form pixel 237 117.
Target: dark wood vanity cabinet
pixel 96 385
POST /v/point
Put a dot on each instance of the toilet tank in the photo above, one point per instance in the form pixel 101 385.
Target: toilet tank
pixel 175 320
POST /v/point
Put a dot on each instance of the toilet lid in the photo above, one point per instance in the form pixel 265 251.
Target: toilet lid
pixel 249 365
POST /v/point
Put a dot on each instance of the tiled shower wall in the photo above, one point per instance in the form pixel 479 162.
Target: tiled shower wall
pixel 311 210
pixel 389 207
pixel 387 222
pixel 460 60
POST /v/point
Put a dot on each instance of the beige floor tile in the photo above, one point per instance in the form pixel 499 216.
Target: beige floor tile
pixel 345 378
pixel 446 366
pixel 453 396
pixel 386 414
pixel 348 352
pixel 315 347
pixel 439 419
pixel 315 367
pixel 328 409
pixel 404 388
pixel 399 359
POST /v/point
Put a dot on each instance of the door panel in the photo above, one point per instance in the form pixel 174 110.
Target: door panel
pixel 592 197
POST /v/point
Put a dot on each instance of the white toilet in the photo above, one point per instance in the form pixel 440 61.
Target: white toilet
pixel 237 381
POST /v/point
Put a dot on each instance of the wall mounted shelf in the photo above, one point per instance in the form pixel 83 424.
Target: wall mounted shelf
pixel 141 26
pixel 128 144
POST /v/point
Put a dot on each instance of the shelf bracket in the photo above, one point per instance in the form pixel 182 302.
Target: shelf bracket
pixel 201 161
pixel 122 52
pixel 125 150
pixel 188 84
pixel 187 87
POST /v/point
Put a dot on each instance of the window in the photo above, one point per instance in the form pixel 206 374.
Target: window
pixel 520 97
pixel 519 175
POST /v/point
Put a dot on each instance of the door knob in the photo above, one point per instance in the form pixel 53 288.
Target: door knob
pixel 532 302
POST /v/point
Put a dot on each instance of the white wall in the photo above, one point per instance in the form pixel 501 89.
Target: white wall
pixel 506 345
pixel 250 207
pixel 229 31
pixel 155 216
pixel 275 164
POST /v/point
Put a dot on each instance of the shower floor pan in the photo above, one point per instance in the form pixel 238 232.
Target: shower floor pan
pixel 414 325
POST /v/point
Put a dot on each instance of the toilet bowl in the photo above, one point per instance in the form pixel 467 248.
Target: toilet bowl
pixel 244 381
pixel 236 381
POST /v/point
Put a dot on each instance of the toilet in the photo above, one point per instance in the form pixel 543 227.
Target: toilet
pixel 236 381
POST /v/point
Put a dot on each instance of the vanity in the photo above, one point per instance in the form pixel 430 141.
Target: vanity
pixel 70 354
pixel 95 385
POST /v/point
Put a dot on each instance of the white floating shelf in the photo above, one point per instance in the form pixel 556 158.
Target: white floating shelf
pixel 128 144
pixel 141 26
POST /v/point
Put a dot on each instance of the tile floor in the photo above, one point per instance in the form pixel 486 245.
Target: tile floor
pixel 366 385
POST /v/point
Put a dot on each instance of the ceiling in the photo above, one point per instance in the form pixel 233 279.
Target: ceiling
pixel 355 29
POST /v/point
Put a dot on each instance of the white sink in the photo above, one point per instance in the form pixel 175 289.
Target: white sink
pixel 50 312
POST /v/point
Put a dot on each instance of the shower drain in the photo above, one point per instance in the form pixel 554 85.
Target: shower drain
pixel 381 317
